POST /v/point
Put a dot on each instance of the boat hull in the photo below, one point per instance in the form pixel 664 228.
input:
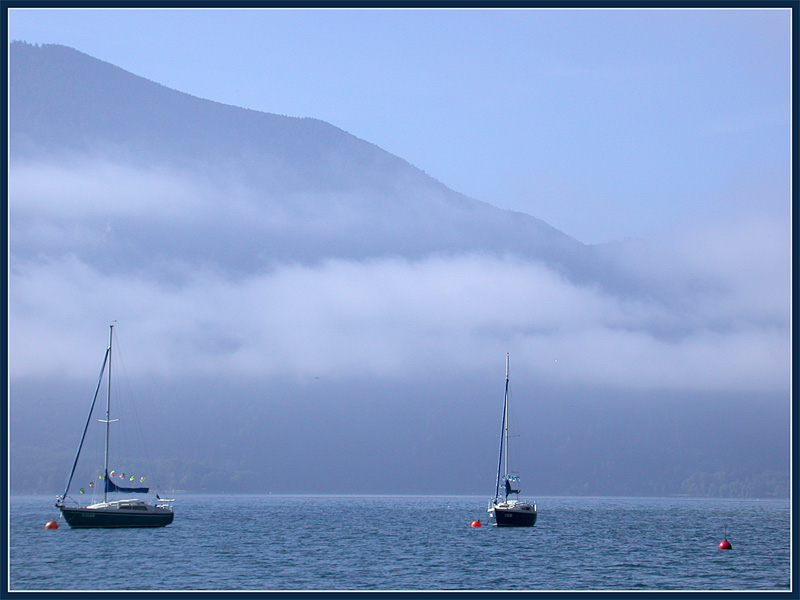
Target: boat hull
pixel 515 517
pixel 85 518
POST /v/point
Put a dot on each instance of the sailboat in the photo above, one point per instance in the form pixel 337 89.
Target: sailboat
pixel 128 512
pixel 503 511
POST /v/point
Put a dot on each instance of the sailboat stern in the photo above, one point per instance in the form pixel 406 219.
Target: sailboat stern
pixel 513 513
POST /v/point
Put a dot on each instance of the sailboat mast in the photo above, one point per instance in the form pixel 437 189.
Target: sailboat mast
pixel 505 421
pixel 503 437
pixel 108 415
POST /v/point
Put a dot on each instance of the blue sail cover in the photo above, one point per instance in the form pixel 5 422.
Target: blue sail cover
pixel 113 487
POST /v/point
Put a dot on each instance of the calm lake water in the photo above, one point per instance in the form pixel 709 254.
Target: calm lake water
pixel 220 542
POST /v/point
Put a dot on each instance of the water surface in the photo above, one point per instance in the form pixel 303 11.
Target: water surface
pixel 241 542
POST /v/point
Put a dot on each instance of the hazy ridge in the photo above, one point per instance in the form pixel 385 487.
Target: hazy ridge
pixel 122 180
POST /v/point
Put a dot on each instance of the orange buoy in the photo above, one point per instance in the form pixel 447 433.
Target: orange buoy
pixel 475 524
pixel 51 525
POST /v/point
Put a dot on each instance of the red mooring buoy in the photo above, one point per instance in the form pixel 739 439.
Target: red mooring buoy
pixel 725 544
pixel 51 525
pixel 475 524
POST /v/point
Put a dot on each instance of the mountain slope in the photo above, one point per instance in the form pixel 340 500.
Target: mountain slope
pixel 250 258
pixel 320 191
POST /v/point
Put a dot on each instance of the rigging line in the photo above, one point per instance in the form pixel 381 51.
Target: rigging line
pixel 88 420
pixel 134 413
pixel 124 406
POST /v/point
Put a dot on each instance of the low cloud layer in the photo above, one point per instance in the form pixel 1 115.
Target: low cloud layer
pixel 719 322
pixel 311 361
pixel 400 318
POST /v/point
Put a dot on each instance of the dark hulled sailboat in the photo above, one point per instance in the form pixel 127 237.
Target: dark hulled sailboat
pixel 128 512
pixel 503 511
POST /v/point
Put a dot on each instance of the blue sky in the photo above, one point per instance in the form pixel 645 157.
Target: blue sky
pixel 605 123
